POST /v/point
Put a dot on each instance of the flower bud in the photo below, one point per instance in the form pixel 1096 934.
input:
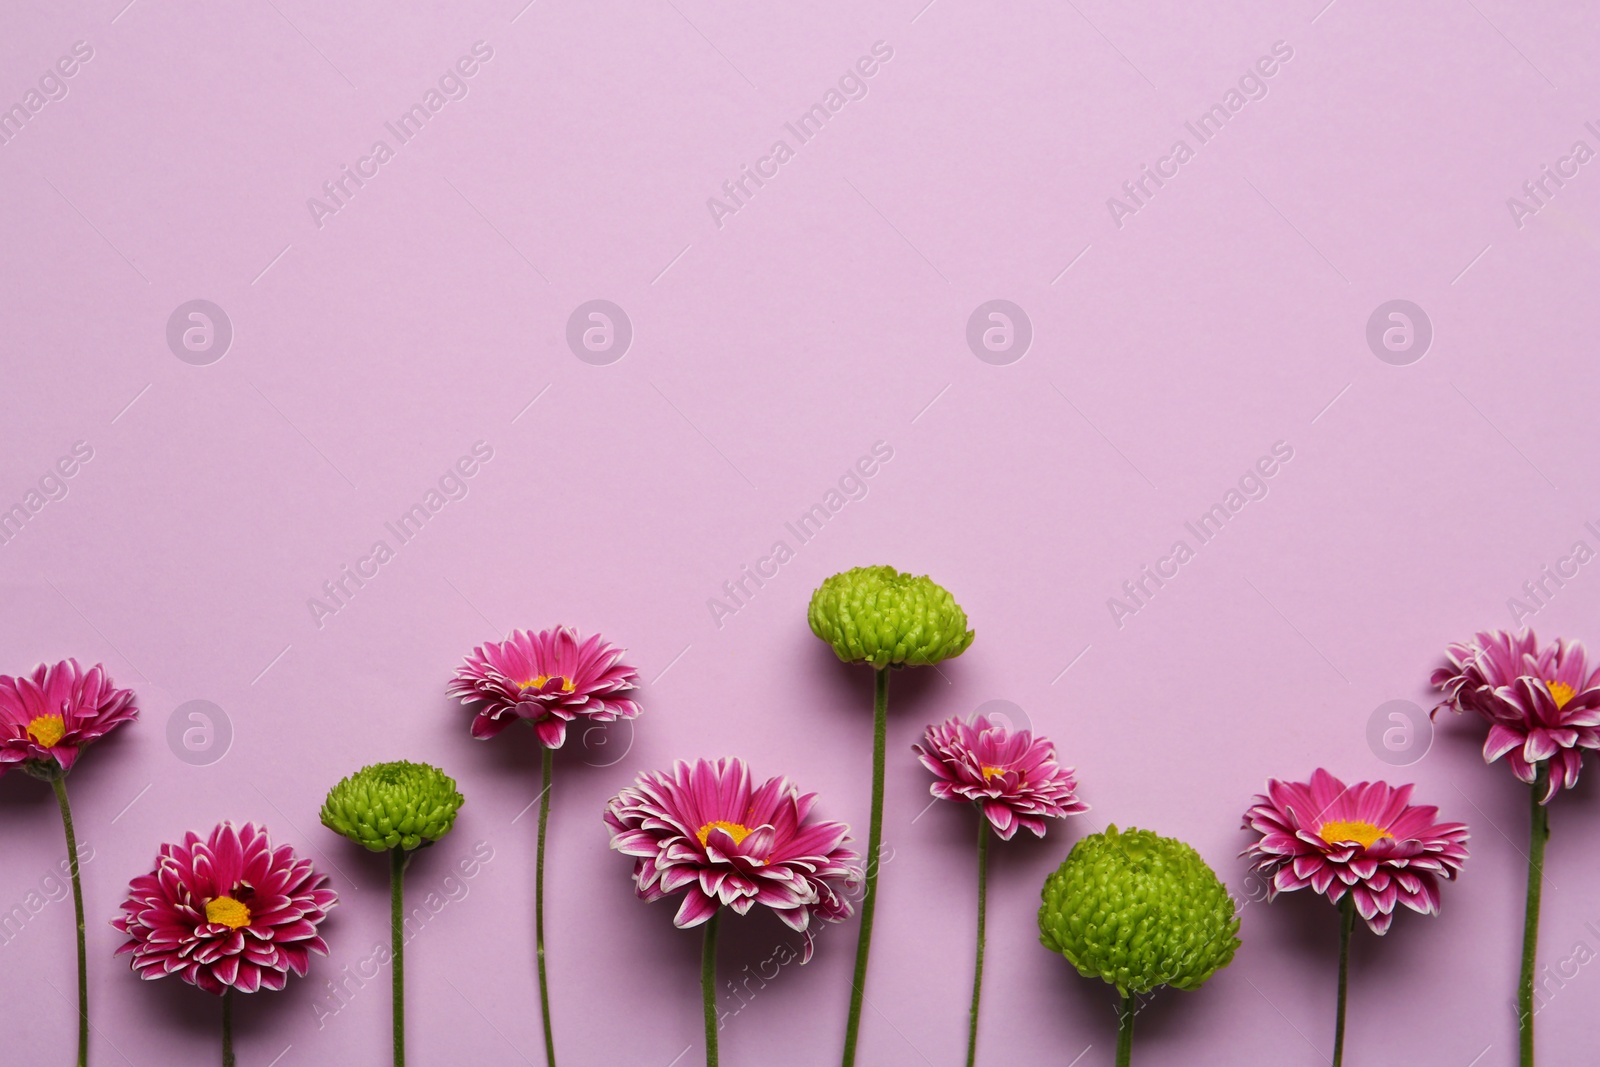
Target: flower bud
pixel 393 805
pixel 880 616
pixel 1138 911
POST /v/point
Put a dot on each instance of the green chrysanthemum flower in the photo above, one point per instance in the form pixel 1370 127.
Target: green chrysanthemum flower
pixel 1138 911
pixel 393 805
pixel 880 616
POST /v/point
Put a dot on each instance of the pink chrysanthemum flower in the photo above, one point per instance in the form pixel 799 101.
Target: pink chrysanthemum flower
pixel 1365 839
pixel 1012 776
pixel 1542 704
pixel 705 830
pixel 548 678
pixel 48 716
pixel 229 912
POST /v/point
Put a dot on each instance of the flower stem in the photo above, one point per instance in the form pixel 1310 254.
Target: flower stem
pixel 1538 834
pixel 708 986
pixel 59 783
pixel 227 1027
pixel 1125 1031
pixel 547 768
pixel 869 898
pixel 983 909
pixel 398 859
pixel 1347 925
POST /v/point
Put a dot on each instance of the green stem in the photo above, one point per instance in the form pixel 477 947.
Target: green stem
pixel 398 859
pixel 547 768
pixel 227 1027
pixel 708 986
pixel 1125 1031
pixel 869 898
pixel 1538 834
pixel 1347 925
pixel 59 783
pixel 983 909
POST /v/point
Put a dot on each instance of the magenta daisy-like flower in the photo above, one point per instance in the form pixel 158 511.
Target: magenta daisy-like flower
pixel 1014 780
pixel 548 678
pixel 48 716
pixel 1542 704
pixel 1366 839
pixel 228 912
pixel 1012 776
pixel 705 830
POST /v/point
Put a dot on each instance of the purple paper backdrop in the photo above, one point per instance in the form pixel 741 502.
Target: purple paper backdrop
pixel 1366 155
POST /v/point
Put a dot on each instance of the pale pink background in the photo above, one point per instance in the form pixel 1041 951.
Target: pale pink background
pixel 768 356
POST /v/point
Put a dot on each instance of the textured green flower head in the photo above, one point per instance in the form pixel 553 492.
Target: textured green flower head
pixel 880 616
pixel 393 805
pixel 1139 911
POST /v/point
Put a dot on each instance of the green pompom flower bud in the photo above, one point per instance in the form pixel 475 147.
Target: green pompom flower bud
pixel 880 616
pixel 393 805
pixel 1138 911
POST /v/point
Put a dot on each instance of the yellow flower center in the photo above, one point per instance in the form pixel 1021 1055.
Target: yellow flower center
pixel 991 772
pixel 737 831
pixel 1362 833
pixel 538 681
pixel 1562 692
pixel 228 912
pixel 47 730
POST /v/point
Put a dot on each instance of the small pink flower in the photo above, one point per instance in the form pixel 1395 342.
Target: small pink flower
pixel 706 831
pixel 1011 775
pixel 47 717
pixel 548 678
pixel 1365 839
pixel 1542 704
pixel 230 912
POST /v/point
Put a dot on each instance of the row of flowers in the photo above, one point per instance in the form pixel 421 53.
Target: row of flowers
pixel 231 913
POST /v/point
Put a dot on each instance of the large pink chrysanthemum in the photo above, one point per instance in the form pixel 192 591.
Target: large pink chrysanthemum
pixel 230 912
pixel 1365 839
pixel 704 829
pixel 548 678
pixel 47 717
pixel 1542 704
pixel 1013 777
